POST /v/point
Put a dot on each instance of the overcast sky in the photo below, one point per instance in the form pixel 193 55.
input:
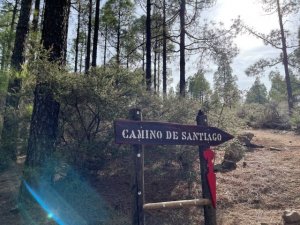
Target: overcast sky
pixel 251 48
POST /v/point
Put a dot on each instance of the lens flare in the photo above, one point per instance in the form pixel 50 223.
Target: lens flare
pixel 42 203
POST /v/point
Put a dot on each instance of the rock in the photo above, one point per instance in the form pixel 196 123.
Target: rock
pixel 228 165
pixel 291 217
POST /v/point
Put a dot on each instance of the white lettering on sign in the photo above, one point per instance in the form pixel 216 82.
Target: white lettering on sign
pixel 200 136
pixel 170 135
pixel 142 134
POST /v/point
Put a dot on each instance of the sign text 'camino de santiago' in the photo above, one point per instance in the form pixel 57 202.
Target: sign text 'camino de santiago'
pixel 158 133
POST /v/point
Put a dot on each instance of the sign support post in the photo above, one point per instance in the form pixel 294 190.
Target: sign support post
pixel 138 180
pixel 138 133
pixel 209 210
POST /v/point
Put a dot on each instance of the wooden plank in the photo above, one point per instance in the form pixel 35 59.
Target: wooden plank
pixel 209 210
pixel 138 179
pixel 177 204
pixel 158 133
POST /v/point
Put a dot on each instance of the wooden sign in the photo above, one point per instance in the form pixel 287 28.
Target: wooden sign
pixel 158 133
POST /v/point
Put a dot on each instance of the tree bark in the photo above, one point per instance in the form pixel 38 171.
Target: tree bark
pixel 182 49
pixel 118 36
pixel 148 46
pixel 96 34
pixel 88 43
pixel 285 61
pixel 44 121
pixel 105 46
pixel 77 37
pixel 155 61
pixel 164 50
pixel 36 14
pixel 18 56
pixel 12 28
pixel 9 134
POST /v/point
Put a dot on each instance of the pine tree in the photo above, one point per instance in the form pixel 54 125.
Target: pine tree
pixel 257 93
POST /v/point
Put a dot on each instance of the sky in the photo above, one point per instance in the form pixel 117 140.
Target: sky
pixel 251 48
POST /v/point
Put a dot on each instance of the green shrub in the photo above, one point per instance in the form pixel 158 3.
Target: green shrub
pixel 295 119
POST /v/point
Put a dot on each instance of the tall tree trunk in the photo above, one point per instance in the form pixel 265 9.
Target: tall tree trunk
pixel 182 49
pixel 81 55
pixel 88 43
pixel 148 46
pixel 35 23
pixel 118 49
pixel 36 14
pixel 18 56
pixel 44 121
pixel 9 134
pixel 11 32
pixel 164 50
pixel 144 50
pixel 155 65
pixel 96 34
pixel 285 61
pixel 158 71
pixel 105 46
pixel 77 37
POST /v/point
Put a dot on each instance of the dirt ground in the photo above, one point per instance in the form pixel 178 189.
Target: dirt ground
pixel 268 183
pixel 265 183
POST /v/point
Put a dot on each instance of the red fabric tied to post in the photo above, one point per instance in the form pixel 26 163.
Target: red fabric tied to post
pixel 209 156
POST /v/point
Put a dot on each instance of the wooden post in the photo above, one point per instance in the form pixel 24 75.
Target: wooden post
pixel 209 210
pixel 138 181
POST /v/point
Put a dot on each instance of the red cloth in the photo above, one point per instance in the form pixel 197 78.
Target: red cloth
pixel 209 156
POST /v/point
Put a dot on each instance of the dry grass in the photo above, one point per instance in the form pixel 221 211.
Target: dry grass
pixel 267 186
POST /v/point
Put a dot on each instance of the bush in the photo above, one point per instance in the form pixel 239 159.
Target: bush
pixel 295 120
pixel 270 116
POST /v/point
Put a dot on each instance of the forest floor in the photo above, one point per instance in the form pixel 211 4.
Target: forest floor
pixel 265 183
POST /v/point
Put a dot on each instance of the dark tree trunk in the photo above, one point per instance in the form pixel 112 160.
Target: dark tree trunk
pixel 88 43
pixel 9 134
pixel 77 37
pixel 182 49
pixel 44 121
pixel 148 46
pixel 143 63
pixel 158 71
pixel 82 54
pixel 105 46
pixel 36 14
pixel 155 65
pixel 96 34
pixel 118 37
pixel 285 62
pixel 164 50
pixel 18 56
pixel 12 28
